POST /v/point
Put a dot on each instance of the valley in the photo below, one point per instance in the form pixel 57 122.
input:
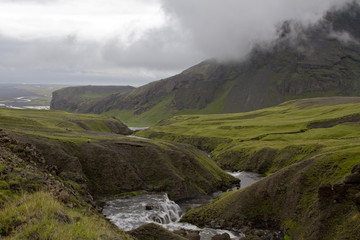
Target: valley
pixel 164 160
pixel 305 147
pixel 308 149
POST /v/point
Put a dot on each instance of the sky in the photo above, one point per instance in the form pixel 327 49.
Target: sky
pixel 134 42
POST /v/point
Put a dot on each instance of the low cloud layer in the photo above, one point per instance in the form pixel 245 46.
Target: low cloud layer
pixel 189 32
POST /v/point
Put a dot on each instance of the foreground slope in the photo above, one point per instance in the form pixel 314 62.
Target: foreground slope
pixel 316 61
pixel 310 149
pixel 35 204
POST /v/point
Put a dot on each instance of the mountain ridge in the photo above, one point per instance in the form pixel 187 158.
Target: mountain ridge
pixel 318 61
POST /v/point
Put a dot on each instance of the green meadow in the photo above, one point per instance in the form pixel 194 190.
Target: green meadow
pixel 77 128
pixel 329 124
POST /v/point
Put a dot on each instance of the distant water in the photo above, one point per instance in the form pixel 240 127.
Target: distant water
pixel 21 103
pixel 246 178
pixel 138 129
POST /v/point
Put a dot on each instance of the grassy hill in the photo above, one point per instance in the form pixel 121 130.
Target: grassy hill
pixel 310 150
pixel 315 61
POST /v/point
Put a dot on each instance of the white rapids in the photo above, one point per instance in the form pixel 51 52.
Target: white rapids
pixel 132 212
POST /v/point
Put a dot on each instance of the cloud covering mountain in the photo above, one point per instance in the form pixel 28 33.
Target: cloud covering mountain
pixel 134 42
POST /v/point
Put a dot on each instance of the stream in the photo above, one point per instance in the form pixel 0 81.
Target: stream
pixel 132 212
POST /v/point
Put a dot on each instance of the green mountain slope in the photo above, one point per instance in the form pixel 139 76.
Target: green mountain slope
pixel 310 150
pixel 318 61
pixel 75 98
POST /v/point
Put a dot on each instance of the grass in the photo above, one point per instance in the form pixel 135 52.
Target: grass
pixel 77 128
pixel 40 216
pixel 155 114
pixel 275 127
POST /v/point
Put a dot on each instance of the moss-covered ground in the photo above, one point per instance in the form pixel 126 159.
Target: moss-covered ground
pixel 301 145
pixel 36 204
pixel 61 125
pixel 39 215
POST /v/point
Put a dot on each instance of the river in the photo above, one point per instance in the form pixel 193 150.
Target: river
pixel 132 212
pixel 21 103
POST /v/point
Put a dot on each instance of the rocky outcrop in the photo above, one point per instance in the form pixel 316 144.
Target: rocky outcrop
pixel 23 168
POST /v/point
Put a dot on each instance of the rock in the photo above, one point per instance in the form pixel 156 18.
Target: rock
pixel 257 238
pixel 153 231
pixel 62 217
pixel 223 236
pixel 353 178
pixel 149 207
pixel 180 232
pixel 356 200
pixel 339 191
pixel 193 235
pixel 64 196
pixel 259 233
pixel 325 195
pixel 356 169
pixel 76 177
pixel 217 223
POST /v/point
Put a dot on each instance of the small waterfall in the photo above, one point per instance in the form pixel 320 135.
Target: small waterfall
pixel 130 213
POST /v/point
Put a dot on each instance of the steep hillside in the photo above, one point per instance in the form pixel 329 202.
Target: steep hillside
pixel 75 98
pixel 310 150
pixel 317 61
pixel 36 204
pixel 88 150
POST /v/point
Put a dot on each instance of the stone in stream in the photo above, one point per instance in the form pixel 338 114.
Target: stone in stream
pixel 153 231
pixel 223 236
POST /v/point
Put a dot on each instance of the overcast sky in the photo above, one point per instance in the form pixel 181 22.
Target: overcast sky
pixel 133 42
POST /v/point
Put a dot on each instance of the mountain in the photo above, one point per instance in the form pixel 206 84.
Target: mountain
pixel 315 61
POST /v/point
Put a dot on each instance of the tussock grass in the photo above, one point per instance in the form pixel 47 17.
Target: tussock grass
pixel 40 216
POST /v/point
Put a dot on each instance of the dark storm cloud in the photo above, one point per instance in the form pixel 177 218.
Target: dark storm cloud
pixel 195 30
pixel 229 28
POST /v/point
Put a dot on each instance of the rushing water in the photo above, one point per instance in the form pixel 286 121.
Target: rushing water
pixel 246 178
pixel 132 212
